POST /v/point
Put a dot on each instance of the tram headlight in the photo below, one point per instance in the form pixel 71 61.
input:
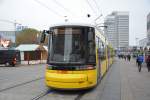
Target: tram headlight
pixel 90 67
pixel 86 67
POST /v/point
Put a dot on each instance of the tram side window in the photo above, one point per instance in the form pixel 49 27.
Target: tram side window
pixel 102 50
pixel 108 52
pixel 91 46
pixel 98 47
pixel 105 51
pixel 97 42
pixel 112 53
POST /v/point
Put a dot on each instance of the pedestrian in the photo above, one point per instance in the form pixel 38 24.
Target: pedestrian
pixel 140 60
pixel 136 60
pixel 148 62
pixel 124 57
pixel 129 57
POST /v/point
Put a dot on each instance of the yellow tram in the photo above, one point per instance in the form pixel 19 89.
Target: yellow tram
pixel 78 56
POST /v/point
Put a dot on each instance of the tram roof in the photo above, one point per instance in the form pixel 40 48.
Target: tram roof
pixel 72 24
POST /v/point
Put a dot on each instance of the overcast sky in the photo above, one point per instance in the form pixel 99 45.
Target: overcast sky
pixel 32 14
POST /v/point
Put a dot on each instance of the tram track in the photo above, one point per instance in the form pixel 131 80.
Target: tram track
pixel 80 95
pixel 41 95
pixel 21 84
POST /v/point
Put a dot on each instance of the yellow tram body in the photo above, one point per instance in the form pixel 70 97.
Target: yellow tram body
pixel 71 79
pixel 82 79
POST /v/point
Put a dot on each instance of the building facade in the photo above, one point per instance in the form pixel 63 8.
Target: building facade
pixel 143 42
pixel 110 30
pixel 148 29
pixel 117 30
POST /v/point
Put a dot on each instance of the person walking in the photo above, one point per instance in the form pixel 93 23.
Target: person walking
pixel 137 60
pixel 148 62
pixel 129 57
pixel 125 57
pixel 140 60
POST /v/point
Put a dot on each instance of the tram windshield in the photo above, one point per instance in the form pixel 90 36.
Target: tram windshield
pixel 67 45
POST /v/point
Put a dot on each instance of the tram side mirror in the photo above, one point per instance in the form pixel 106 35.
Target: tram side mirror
pixel 43 36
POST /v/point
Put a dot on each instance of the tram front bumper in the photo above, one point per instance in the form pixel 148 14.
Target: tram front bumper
pixel 68 81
